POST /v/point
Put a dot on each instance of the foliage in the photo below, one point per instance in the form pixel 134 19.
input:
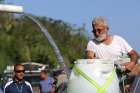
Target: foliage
pixel 21 41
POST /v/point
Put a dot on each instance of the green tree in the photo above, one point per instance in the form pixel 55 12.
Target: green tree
pixel 21 41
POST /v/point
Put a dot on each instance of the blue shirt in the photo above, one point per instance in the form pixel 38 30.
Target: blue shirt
pixel 46 85
pixel 14 87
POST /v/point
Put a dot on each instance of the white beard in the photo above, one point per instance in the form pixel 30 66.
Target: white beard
pixel 101 37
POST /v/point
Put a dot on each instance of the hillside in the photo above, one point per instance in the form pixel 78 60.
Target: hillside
pixel 21 41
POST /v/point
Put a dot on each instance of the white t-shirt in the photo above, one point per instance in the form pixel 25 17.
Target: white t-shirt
pixel 115 50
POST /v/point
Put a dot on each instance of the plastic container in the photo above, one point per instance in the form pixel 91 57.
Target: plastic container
pixel 100 71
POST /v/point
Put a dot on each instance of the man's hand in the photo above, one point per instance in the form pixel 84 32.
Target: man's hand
pixel 134 58
pixel 129 66
pixel 90 55
pixel 136 70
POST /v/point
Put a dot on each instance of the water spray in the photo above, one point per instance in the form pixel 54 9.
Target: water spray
pixel 19 10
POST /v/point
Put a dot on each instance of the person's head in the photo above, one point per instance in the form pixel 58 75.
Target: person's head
pixel 43 74
pixel 19 71
pixel 100 28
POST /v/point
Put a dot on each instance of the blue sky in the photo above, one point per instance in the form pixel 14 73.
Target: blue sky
pixel 123 15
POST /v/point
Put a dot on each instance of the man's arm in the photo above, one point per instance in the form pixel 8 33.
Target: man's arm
pixel 90 54
pixel 133 55
pixel 134 58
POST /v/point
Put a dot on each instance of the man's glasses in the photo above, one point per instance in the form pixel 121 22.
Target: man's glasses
pixel 19 71
pixel 98 30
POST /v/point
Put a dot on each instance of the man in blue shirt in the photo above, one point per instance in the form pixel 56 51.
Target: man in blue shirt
pixel 46 83
pixel 18 84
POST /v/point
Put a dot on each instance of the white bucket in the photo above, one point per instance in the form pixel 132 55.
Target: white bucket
pixel 99 71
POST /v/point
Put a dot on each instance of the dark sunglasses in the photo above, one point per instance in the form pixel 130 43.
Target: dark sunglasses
pixel 19 71
pixel 99 30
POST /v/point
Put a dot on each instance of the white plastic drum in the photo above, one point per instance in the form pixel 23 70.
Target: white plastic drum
pixel 93 76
